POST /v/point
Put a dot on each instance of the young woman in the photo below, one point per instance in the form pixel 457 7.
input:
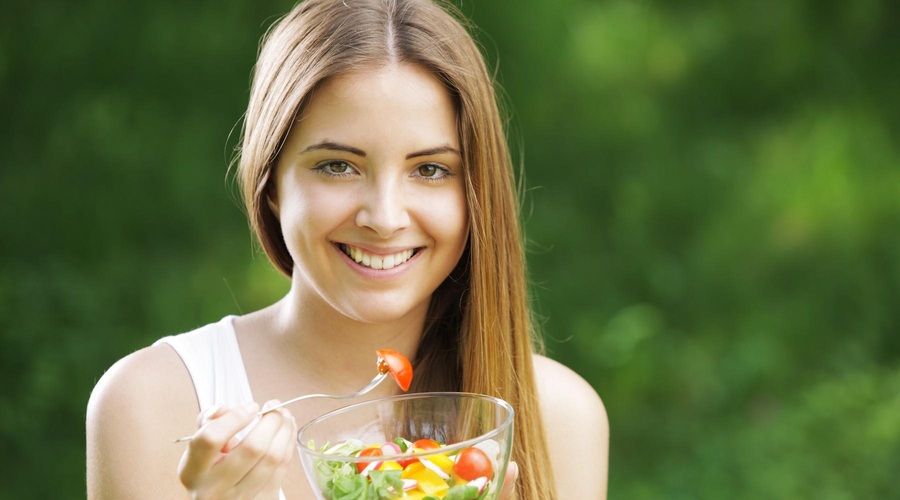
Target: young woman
pixel 376 176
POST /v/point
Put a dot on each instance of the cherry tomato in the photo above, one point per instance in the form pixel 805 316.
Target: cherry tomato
pixel 367 452
pixel 426 444
pixel 391 361
pixel 473 463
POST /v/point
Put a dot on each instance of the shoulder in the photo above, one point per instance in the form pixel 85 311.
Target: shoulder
pixel 136 409
pixel 150 373
pixel 559 387
pixel 573 414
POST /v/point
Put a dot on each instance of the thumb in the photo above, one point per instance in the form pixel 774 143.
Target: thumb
pixel 508 492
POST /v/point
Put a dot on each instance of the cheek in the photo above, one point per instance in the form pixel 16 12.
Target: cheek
pixel 309 209
pixel 450 219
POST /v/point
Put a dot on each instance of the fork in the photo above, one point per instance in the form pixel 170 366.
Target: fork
pixel 368 387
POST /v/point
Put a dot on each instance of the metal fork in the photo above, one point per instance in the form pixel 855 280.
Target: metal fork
pixel 371 385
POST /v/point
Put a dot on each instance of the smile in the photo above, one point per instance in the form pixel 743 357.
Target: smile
pixel 378 262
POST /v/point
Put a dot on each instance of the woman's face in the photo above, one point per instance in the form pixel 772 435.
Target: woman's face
pixel 370 193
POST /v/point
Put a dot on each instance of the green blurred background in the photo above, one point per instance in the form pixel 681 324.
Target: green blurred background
pixel 713 222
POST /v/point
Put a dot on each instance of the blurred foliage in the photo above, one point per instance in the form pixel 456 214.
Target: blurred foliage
pixel 712 221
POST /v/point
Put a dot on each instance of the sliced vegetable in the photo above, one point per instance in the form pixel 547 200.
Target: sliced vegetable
pixel 396 364
pixel 426 444
pixel 479 483
pixel 367 452
pixel 402 443
pixel 390 449
pixel 433 467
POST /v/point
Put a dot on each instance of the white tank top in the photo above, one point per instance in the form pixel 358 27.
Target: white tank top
pixel 213 359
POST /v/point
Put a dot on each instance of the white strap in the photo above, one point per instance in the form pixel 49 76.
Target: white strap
pixel 213 358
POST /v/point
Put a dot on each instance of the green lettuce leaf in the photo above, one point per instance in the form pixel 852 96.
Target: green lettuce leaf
pixel 348 488
pixel 462 492
pixel 385 484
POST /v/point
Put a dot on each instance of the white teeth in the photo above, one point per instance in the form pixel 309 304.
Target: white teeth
pixel 377 261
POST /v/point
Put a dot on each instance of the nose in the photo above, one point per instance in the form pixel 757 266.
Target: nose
pixel 384 209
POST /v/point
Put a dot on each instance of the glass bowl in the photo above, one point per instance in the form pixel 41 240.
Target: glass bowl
pixel 431 445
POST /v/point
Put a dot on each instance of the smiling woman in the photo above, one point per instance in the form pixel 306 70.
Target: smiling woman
pixel 369 179
pixel 376 176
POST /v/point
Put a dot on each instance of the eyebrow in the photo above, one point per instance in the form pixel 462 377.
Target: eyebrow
pixel 434 151
pixel 336 146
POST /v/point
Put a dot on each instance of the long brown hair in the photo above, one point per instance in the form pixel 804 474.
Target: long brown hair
pixel 479 336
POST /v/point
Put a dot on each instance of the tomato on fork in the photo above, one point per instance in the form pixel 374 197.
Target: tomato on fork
pixel 396 364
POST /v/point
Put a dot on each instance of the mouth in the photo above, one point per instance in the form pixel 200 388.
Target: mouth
pixel 377 262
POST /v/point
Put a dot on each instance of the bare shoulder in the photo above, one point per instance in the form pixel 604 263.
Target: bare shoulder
pixel 562 390
pixel 137 408
pixel 574 418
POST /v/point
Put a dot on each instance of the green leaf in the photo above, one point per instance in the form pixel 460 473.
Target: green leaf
pixel 463 492
pixel 399 441
pixel 348 488
pixel 385 484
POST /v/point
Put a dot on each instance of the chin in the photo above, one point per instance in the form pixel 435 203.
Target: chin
pixel 378 312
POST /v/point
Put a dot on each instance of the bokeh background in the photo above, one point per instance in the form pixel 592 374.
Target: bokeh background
pixel 713 222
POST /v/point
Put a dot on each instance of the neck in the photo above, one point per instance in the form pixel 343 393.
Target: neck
pixel 337 350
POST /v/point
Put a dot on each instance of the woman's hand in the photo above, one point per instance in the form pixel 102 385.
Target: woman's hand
pixel 508 491
pixel 218 464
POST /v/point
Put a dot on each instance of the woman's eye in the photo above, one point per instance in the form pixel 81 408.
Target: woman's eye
pixel 335 167
pixel 431 171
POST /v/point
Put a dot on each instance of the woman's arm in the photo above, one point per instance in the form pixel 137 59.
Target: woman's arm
pixel 147 400
pixel 577 431
pixel 136 409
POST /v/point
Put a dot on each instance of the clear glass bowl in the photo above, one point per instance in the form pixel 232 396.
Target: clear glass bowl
pixel 474 432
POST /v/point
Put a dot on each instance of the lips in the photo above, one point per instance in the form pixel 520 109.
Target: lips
pixel 377 262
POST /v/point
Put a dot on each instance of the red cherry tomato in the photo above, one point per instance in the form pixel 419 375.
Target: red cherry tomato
pixel 367 452
pixel 473 463
pixel 426 444
pixel 391 361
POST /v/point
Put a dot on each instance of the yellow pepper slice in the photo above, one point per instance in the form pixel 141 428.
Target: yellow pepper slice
pixel 441 461
pixel 430 482
pixel 390 465
pixel 411 469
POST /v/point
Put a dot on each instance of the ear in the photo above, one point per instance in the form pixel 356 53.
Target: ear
pixel 272 200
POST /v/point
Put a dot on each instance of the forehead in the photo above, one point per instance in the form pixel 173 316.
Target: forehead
pixel 397 103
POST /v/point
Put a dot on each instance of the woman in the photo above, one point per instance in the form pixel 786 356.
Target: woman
pixel 377 177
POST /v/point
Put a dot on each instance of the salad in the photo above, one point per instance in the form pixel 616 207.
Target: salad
pixel 390 472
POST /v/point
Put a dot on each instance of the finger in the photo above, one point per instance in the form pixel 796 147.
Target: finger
pixel 292 443
pixel 237 438
pixel 250 451
pixel 234 441
pixel 508 491
pixel 211 413
pixel 204 448
pixel 281 455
